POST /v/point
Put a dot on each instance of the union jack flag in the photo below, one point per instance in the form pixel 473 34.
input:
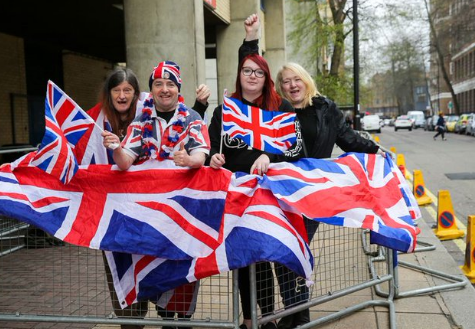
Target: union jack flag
pixel 354 190
pixel 170 213
pixel 251 213
pixel 89 149
pixel 70 117
pixel 65 123
pixel 269 131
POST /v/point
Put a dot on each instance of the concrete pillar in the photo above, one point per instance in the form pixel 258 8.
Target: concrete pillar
pixel 228 40
pixel 275 35
pixel 158 30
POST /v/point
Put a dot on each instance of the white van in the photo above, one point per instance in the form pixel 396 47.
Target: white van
pixel 371 123
pixel 417 118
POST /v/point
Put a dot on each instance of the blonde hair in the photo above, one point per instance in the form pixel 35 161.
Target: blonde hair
pixel 311 88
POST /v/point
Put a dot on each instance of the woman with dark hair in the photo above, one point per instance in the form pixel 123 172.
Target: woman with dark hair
pixel 119 95
pixel 254 86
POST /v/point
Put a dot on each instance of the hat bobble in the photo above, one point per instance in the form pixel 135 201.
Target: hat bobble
pixel 166 70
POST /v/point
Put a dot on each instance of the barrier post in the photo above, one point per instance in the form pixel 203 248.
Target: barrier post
pixel 419 189
pixel 392 149
pixel 446 225
pixel 469 267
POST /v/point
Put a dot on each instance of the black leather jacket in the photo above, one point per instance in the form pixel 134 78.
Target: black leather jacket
pixel 323 125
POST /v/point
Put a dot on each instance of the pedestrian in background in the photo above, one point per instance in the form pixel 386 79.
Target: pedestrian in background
pixel 440 127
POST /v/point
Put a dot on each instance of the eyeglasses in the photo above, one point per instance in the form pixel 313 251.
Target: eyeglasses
pixel 247 71
pixel 126 91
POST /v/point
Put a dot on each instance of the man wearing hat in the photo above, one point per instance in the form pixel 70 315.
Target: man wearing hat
pixel 166 129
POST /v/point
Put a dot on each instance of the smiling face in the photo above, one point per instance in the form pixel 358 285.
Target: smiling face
pixel 165 94
pixel 294 88
pixel 122 96
pixel 251 85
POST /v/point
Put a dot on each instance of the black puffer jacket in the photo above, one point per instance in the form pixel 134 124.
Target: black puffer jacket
pixel 323 126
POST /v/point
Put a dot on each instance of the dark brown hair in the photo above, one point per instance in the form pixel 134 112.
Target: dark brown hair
pixel 114 79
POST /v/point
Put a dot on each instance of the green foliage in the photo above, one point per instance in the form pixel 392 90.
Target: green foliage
pixel 317 36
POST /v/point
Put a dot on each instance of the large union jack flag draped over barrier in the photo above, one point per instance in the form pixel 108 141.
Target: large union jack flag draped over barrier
pixel 254 229
pixel 354 190
pixel 171 213
pixel 270 131
pixel 197 223
pixel 65 124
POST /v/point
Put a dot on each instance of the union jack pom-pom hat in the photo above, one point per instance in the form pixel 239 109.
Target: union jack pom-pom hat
pixel 166 70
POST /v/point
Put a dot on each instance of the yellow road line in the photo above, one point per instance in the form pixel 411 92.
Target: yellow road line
pixel 432 210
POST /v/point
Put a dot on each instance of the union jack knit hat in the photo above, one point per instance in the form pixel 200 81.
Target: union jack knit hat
pixel 166 70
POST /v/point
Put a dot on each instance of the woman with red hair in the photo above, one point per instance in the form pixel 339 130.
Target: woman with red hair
pixel 254 86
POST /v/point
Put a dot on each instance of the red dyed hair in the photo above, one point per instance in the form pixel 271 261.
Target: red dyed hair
pixel 269 99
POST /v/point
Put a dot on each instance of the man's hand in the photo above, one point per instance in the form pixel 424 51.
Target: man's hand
pixel 181 157
pixel 252 25
pixel 202 94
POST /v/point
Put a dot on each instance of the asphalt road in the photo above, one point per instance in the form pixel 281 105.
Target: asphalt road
pixel 445 165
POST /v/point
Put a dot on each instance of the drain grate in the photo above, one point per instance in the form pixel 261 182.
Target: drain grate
pixel 461 176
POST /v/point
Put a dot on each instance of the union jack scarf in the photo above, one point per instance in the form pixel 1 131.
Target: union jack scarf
pixel 151 145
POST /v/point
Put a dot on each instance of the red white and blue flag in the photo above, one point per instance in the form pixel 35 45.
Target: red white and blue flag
pixel 65 124
pixel 269 131
pixel 197 223
pixel 354 190
pixel 251 214
pixel 170 213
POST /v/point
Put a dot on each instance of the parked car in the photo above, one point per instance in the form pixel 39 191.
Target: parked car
pixel 403 122
pixel 450 122
pixel 371 123
pixel 417 118
pixel 462 122
pixel 470 128
pixel 387 122
pixel 432 122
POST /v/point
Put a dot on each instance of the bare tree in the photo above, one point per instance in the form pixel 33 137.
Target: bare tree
pixel 321 26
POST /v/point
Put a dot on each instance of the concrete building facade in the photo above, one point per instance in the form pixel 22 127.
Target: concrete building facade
pixel 76 43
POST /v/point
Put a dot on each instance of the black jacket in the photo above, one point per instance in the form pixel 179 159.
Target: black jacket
pixel 323 125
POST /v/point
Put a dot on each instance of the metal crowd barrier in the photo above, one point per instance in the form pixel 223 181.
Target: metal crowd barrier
pixel 63 284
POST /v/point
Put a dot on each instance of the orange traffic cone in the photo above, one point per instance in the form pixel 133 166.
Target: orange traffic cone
pixel 469 267
pixel 419 189
pixel 446 225
pixel 401 161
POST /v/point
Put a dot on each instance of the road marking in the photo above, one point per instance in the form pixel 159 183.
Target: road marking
pixel 432 210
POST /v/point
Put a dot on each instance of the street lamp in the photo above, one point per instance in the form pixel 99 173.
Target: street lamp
pixel 356 72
